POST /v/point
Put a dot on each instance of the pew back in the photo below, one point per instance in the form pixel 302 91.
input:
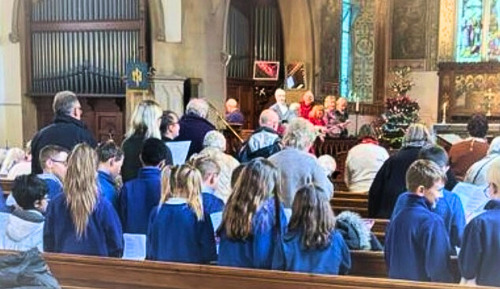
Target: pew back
pixel 6 185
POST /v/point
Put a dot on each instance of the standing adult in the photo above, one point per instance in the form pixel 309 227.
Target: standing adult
pixel 194 125
pixel 67 129
pixel 144 124
pixel 169 126
pixel 465 153
pixel 233 113
pixel 281 107
pixel 306 104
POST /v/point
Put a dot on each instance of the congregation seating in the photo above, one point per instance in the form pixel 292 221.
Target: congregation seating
pixel 348 201
pixel 74 271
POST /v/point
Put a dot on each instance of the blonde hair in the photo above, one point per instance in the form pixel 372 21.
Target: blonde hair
pixel 145 118
pixel 185 182
pixel 205 164
pixel 80 186
pixel 423 173
pixel 165 184
pixel 329 98
pixel 494 173
pixel 12 157
pixel 314 111
pixel 299 134
pixel 258 180
pixel 417 135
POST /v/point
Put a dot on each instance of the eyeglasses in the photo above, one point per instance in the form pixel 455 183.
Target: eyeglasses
pixel 58 161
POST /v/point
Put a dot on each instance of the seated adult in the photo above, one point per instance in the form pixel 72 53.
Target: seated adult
pixel 480 252
pixel 214 146
pixel 333 127
pixel 169 126
pixel 298 167
pixel 264 141
pixel 233 113
pixel 389 182
pixel 144 124
pixel 364 160
pixel 306 104
pixel 328 164
pixel 194 125
pixel 281 107
pixel 66 131
pixel 477 173
pixel 416 241
pixel 13 157
pixel 465 153
pixel 22 165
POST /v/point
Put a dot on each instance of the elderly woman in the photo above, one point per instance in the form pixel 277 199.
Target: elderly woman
pixel 194 125
pixel 364 161
pixel 390 180
pixel 477 173
pixel 215 145
pixel 297 166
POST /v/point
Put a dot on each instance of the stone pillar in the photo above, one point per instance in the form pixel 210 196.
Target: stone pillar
pixel 169 92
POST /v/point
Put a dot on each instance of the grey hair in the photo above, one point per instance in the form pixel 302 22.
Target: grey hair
pixel 63 103
pixel 215 139
pixel 494 146
pixel 299 134
pixel 197 106
pixel 417 135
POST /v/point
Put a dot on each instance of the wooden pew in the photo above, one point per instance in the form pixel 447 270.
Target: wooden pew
pixel 346 201
pixel 74 271
pixel 6 185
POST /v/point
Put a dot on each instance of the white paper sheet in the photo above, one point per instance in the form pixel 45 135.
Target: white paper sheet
pixel 135 246
pixel 179 150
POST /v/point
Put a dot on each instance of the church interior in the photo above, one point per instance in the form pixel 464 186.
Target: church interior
pixel 416 72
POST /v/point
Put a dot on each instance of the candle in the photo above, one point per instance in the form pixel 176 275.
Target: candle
pixel 357 103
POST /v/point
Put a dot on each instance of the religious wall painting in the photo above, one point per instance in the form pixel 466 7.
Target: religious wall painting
pixel 409 29
pixel 473 90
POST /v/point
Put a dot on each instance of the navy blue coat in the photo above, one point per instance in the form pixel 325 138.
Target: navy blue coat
pixel 480 253
pixel 257 250
pixel 137 198
pixel 107 188
pixel 65 131
pixel 450 208
pixel 175 234
pixel 211 204
pixel 103 236
pixel 53 183
pixel 416 243
pixel 194 129
pixel 291 255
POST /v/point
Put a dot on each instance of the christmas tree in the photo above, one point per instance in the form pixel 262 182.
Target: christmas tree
pixel 400 110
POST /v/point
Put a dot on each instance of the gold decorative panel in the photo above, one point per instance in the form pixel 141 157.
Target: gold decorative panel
pixel 447 22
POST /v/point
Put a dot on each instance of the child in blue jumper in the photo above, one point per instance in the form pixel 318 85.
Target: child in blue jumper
pixel 53 162
pixel 179 230
pixel 480 253
pixel 312 244
pixel 110 163
pixel 80 221
pixel 417 246
pixel 253 219
pixel 210 171
pixel 140 195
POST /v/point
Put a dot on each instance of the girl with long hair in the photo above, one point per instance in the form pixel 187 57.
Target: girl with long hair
pixel 311 243
pixel 80 221
pixel 179 230
pixel 250 226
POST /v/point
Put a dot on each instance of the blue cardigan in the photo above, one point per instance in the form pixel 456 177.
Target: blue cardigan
pixel 53 183
pixel 175 234
pixel 137 198
pixel 291 255
pixel 416 243
pixel 480 253
pixel 211 203
pixel 102 237
pixel 450 208
pixel 257 250
pixel 107 187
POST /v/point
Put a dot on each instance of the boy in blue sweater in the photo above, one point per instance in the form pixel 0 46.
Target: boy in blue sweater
pixel 53 162
pixel 110 163
pixel 138 196
pixel 210 171
pixel 417 246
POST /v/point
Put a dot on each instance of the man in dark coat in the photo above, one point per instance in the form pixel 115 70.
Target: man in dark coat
pixel 66 131
pixel 194 125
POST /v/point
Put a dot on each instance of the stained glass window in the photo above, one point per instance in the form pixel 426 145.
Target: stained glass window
pixel 345 79
pixel 494 30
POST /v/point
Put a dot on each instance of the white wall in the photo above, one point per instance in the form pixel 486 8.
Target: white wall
pixel 425 92
pixel 11 127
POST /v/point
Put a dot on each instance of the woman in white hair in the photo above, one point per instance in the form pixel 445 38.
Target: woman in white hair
pixel 477 173
pixel 214 145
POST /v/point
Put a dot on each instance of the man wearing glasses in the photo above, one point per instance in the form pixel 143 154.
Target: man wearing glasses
pixel 67 129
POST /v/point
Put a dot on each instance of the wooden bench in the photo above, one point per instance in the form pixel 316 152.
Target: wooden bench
pixel 74 271
pixel 6 185
pixel 354 203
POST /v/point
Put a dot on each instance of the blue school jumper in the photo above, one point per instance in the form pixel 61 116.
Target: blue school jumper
pixel 107 187
pixel 102 237
pixel 211 203
pixel 257 250
pixel 450 208
pixel 417 246
pixel 137 198
pixel 291 255
pixel 175 234
pixel 480 253
pixel 53 183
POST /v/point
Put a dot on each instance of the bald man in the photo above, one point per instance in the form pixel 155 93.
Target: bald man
pixel 281 107
pixel 264 141
pixel 233 114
